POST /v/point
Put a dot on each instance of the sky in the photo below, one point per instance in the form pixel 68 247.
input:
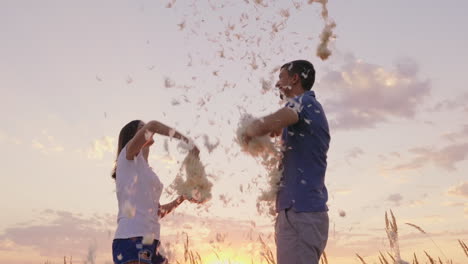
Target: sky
pixel 75 72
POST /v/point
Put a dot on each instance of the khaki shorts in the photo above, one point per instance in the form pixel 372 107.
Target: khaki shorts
pixel 300 237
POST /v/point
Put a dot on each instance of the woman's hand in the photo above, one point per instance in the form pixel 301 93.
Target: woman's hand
pixel 148 143
pixel 191 199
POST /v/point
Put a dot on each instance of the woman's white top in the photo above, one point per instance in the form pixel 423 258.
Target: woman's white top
pixel 138 192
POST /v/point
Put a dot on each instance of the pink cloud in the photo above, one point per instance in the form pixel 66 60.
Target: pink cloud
pixel 460 190
pixel 446 157
pixel 354 153
pixel 60 233
pixel 64 233
pixel 361 95
pixel 395 198
pixel 460 102
pixel 454 136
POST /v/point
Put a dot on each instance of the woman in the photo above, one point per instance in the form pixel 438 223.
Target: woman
pixel 138 192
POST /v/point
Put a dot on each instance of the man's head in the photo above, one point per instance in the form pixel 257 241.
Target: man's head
pixel 296 77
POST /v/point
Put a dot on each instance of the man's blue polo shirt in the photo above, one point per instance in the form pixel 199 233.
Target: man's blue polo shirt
pixel 305 146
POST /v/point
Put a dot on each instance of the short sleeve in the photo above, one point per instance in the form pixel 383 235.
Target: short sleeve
pixel 303 107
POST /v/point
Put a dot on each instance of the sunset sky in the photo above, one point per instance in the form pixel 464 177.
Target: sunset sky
pixel 74 72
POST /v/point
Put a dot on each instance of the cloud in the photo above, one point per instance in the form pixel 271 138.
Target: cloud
pixel 459 102
pixel 62 233
pixel 47 147
pixel 455 204
pixel 417 234
pixel 100 147
pixel 361 95
pixel 37 145
pixel 164 159
pixel 7 245
pixel 47 143
pixel 341 191
pixel 3 136
pixel 355 152
pixel 395 198
pixel 460 190
pixel 57 233
pixel 446 157
pixel 461 134
pixel 345 244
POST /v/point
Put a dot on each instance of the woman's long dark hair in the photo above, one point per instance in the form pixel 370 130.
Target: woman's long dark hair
pixel 126 134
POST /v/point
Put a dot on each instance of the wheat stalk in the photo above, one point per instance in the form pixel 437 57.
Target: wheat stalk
pixel 383 260
pixel 430 258
pixel 464 247
pixel 415 260
pixel 324 258
pixel 394 225
pixel 390 255
pixel 266 254
pixel 380 260
pixel 391 228
pixel 361 259
pixel 417 227
pixel 424 232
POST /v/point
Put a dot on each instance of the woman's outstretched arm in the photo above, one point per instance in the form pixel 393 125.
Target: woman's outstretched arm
pixel 145 134
pixel 167 208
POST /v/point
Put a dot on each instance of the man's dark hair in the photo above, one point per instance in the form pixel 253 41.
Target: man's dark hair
pixel 304 69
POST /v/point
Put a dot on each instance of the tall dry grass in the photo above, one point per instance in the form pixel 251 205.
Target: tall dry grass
pixel 191 256
pixel 391 229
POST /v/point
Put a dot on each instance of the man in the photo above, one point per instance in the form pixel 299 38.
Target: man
pixel 302 221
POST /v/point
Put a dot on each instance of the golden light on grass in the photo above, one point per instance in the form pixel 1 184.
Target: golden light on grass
pixel 261 250
pixel 225 262
pixel 230 255
pixel 221 253
pixel 226 257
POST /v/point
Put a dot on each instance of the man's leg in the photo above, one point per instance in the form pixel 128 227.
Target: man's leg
pixel 312 228
pixel 286 239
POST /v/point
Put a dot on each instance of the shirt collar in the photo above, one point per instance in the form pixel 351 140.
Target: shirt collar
pixel 306 93
pixel 310 92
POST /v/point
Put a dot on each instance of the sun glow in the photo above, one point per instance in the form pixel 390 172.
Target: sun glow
pixel 226 262
pixel 229 256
